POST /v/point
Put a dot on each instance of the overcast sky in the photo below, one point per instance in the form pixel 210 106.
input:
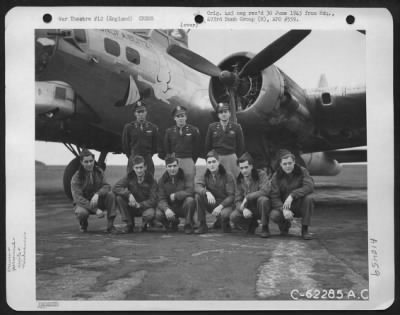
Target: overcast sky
pixel 338 54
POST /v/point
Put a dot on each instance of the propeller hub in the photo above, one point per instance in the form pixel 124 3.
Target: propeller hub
pixel 227 78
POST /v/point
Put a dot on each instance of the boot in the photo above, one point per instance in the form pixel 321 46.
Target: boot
pixel 110 226
pixel 83 225
pixel 284 227
pixel 217 224
pixel 128 229
pixel 251 229
pixel 265 232
pixel 226 227
pixel 203 228
pixel 173 227
pixel 305 234
pixel 188 229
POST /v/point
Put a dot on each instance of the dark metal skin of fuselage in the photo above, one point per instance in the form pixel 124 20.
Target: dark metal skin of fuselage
pixel 279 112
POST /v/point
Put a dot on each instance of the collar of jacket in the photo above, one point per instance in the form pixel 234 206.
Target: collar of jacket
pixel 147 177
pixel 297 171
pixel 167 178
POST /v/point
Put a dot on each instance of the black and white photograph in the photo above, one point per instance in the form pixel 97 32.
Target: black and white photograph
pixel 187 167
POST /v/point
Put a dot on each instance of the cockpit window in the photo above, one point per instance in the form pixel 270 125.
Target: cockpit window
pixel 112 47
pixel 80 36
pixel 132 55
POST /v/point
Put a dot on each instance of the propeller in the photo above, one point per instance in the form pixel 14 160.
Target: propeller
pixel 233 80
pixel 193 60
pixel 273 52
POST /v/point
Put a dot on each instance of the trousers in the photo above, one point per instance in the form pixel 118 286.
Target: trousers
pixel 106 203
pixel 128 213
pixel 260 209
pixel 203 206
pixel 184 210
pixel 302 207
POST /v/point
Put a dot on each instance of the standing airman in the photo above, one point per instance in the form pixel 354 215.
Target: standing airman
pixel 140 137
pixel 226 138
pixel 183 140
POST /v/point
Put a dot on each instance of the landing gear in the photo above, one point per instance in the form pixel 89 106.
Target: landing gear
pixel 73 166
pixel 69 171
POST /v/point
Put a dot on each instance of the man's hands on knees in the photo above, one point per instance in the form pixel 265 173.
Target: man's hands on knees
pixel 247 213
pixel 287 214
pixel 288 203
pixel 169 214
pixel 217 211
pixel 210 198
pixel 94 201
pixel 132 202
pixel 243 204
pixel 100 213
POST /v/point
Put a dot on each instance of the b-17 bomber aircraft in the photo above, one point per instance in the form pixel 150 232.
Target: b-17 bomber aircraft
pixel 88 79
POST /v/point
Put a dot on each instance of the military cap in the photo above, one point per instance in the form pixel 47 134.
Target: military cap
pixel 245 157
pixel 213 154
pixel 170 158
pixel 223 106
pixel 139 105
pixel 283 153
pixel 178 110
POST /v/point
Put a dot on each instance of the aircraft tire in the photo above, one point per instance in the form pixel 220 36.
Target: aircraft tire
pixel 69 171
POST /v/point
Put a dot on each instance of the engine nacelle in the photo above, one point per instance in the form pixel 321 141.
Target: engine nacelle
pixel 319 164
pixel 265 99
pixel 55 100
pixel 260 92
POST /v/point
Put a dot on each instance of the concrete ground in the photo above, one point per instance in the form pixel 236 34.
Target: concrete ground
pixel 214 266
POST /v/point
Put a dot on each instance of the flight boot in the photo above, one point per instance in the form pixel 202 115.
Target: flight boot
pixel 305 234
pixel 226 227
pixel 110 226
pixel 217 224
pixel 188 228
pixel 173 225
pixel 202 229
pixel 284 227
pixel 83 225
pixel 128 229
pixel 251 229
pixel 265 232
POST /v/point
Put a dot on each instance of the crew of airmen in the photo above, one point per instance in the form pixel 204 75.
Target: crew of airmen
pixel 231 189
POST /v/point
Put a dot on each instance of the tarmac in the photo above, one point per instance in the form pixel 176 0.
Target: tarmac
pixel 215 266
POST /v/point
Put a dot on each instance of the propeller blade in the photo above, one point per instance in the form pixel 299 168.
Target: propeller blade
pixel 273 52
pixel 193 60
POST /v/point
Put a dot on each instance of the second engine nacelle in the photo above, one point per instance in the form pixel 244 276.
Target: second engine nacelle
pixel 319 164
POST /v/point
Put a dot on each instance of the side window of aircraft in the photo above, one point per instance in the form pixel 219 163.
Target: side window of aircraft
pixel 112 47
pixel 132 55
pixel 80 36
pixel 60 93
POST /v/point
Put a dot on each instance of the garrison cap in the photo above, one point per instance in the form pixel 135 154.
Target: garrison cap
pixel 223 106
pixel 283 154
pixel 139 105
pixel 245 157
pixel 179 110
pixel 170 158
pixel 213 154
